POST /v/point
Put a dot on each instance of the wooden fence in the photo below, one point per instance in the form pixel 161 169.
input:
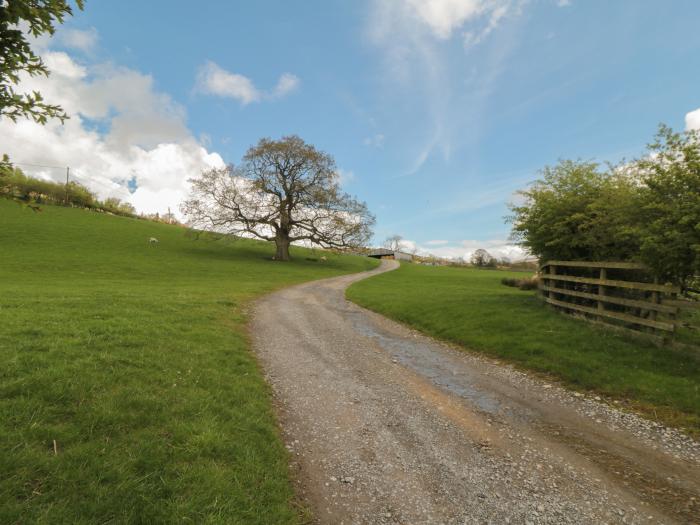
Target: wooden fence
pixel 615 293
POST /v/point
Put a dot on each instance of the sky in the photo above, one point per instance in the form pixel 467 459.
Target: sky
pixel 436 111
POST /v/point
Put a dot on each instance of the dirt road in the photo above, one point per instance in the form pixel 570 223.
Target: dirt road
pixel 385 425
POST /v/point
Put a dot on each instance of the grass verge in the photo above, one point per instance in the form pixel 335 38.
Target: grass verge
pixel 473 309
pixel 133 360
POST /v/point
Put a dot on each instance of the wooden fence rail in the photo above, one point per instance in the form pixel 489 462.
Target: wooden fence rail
pixel 628 299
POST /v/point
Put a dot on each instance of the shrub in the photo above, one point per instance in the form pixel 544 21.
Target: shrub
pixel 578 212
pixel 523 284
pixel 510 281
pixel 529 284
pixel 647 210
pixel 670 226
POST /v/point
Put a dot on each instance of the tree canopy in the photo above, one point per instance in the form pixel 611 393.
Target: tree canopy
pixel 284 191
pixel 16 55
pixel 670 227
pixel 647 210
pixel 482 258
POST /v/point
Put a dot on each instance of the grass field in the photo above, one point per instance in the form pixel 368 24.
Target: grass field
pixel 472 308
pixel 134 360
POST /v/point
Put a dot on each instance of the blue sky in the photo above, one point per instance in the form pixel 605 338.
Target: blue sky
pixel 436 111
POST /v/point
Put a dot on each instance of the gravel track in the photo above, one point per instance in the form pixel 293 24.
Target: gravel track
pixel 385 425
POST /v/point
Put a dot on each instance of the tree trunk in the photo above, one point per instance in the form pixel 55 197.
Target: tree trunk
pixel 282 242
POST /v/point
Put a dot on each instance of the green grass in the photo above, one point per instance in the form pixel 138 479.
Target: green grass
pixel 134 359
pixel 471 308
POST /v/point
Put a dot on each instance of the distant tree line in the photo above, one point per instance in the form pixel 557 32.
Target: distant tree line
pixel 647 210
pixel 16 185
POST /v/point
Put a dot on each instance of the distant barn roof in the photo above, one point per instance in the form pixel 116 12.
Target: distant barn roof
pixel 380 252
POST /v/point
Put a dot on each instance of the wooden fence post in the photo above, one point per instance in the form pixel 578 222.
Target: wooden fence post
pixel 601 291
pixel 656 299
pixel 552 284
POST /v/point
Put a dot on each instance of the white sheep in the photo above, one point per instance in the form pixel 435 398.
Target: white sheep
pixel 324 258
pixel 153 240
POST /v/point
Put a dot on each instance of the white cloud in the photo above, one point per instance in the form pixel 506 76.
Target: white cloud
pixel 212 79
pixel 286 84
pixel 84 40
pixel 408 246
pixel 376 140
pixel 563 3
pixel 444 16
pixel 345 176
pixel 122 131
pixel 496 247
pixel 464 249
pixel 62 65
pixel 692 120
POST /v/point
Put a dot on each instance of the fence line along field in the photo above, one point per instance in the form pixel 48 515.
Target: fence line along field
pixel 619 294
pixel 470 307
pixel 127 391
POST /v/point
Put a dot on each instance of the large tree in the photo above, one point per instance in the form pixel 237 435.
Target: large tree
pixel 482 258
pixel 16 55
pixel 284 191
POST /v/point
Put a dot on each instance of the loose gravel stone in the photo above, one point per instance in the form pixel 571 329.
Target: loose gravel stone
pixel 385 425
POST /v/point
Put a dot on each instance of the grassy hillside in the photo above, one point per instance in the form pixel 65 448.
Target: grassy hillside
pixel 471 308
pixel 133 359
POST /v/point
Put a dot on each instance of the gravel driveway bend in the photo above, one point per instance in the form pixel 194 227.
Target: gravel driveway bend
pixel 385 425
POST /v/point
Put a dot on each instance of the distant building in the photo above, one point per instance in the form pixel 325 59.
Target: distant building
pixel 384 253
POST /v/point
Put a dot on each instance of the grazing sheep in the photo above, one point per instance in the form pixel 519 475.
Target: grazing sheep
pixel 324 258
pixel 153 240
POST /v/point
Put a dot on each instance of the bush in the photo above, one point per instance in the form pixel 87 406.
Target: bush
pixel 647 210
pixel 510 281
pixel 529 284
pixel 578 212
pixel 670 227
pixel 523 284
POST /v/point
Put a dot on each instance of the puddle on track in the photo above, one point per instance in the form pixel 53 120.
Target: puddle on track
pixel 442 370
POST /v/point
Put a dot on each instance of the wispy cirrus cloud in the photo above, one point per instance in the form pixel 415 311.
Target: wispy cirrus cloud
pixel 413 35
pixel 375 141
pixel 212 79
